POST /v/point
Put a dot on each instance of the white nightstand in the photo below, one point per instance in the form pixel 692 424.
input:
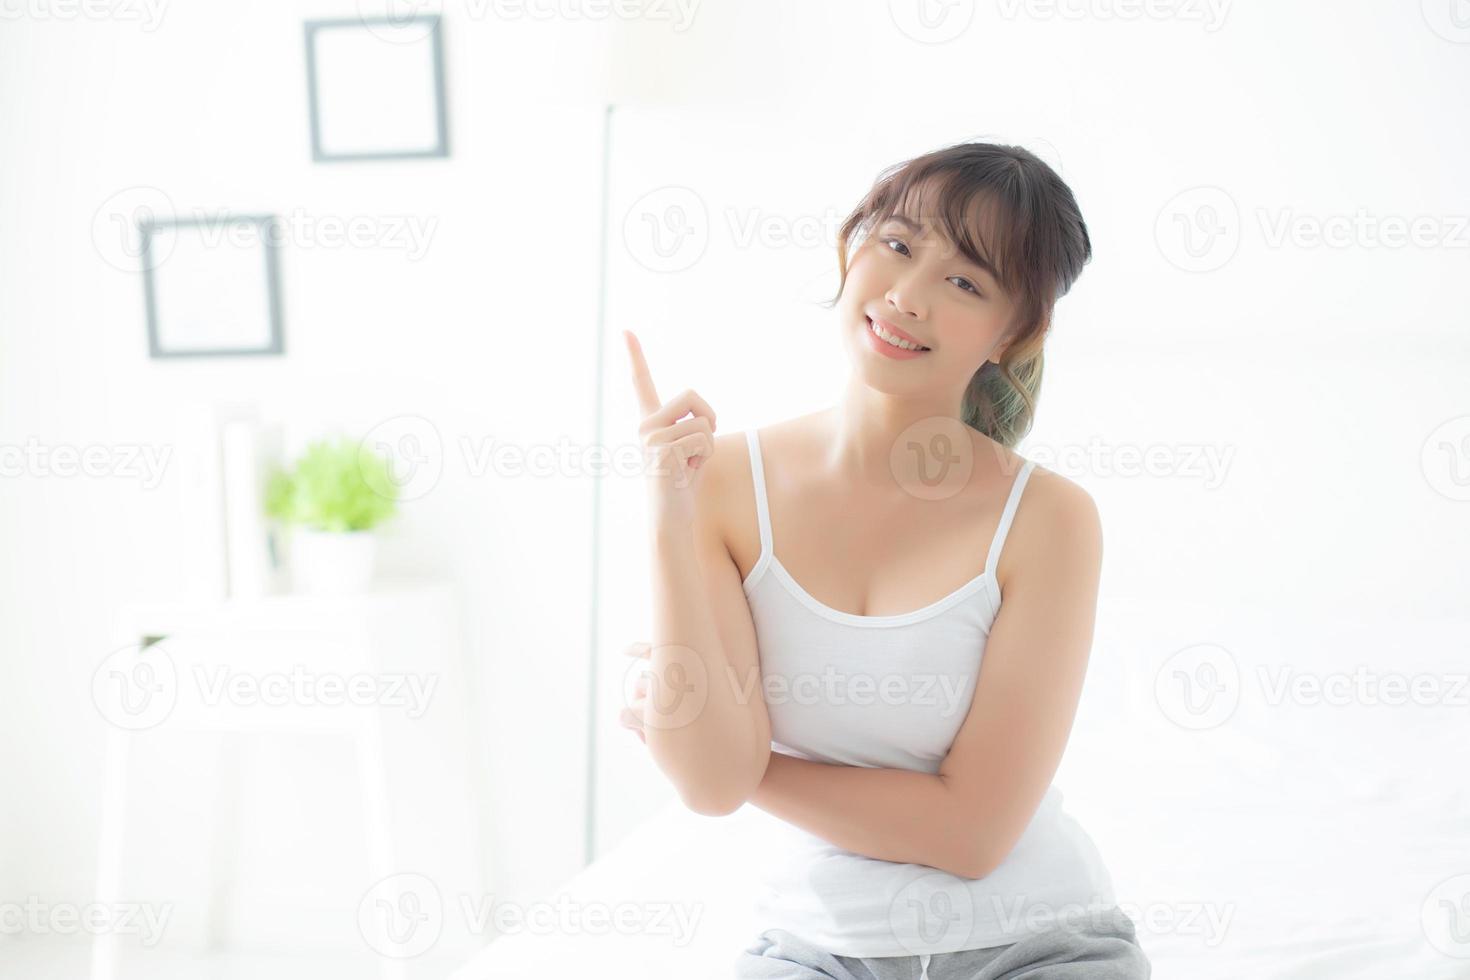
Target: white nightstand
pixel 383 668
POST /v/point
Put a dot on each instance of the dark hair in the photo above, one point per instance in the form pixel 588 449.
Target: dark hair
pixel 1037 247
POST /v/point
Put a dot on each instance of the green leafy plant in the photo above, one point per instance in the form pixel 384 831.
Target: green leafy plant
pixel 336 485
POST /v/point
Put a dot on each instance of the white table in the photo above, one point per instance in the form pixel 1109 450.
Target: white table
pixel 383 667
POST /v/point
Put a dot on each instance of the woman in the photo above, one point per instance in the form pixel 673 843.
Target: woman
pixel 919 833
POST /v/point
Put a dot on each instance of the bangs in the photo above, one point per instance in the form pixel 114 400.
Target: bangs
pixel 981 219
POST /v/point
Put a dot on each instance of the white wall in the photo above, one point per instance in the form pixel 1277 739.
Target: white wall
pixel 210 108
pixel 1323 370
pixel 1290 389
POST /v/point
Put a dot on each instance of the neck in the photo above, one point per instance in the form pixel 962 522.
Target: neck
pixel 881 440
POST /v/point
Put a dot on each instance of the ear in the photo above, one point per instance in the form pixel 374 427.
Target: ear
pixel 1007 337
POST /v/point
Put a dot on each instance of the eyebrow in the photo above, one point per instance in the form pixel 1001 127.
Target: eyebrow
pixel 913 226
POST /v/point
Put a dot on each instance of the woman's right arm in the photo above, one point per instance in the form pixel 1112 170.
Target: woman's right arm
pixel 704 719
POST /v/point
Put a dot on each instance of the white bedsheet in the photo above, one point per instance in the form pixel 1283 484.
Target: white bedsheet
pixel 1294 841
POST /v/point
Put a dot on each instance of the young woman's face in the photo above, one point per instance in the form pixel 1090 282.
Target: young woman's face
pixel 909 278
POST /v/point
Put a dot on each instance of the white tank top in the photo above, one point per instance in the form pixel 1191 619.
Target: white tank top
pixel 892 692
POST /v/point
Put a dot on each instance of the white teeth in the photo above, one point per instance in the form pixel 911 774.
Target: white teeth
pixel 891 339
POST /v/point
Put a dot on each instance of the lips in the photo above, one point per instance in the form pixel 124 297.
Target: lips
pixel 901 334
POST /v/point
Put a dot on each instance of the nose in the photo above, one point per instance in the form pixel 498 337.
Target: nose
pixel 903 297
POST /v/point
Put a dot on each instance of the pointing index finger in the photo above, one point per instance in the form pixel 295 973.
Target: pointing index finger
pixel 642 379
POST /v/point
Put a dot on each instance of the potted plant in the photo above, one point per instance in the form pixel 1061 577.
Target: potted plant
pixel 334 496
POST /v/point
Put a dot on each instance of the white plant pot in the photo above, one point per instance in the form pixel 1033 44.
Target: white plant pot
pixel 332 562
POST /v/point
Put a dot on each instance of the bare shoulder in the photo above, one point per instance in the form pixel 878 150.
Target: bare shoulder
pixel 730 475
pixel 726 480
pixel 1062 501
pixel 727 466
pixel 1056 520
pixel 727 488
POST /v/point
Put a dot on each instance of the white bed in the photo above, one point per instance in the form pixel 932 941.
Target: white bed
pixel 1298 840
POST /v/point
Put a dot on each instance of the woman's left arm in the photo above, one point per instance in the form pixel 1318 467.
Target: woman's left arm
pixel 966 819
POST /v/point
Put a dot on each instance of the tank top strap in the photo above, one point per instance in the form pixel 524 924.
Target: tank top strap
pixel 992 560
pixel 758 477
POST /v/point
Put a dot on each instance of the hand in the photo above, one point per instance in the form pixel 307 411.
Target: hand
pixel 671 480
pixel 631 717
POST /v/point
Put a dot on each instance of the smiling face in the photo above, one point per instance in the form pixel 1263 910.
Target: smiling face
pixel 922 288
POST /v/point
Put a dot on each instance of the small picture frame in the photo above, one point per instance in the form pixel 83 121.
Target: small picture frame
pixel 211 285
pixel 375 88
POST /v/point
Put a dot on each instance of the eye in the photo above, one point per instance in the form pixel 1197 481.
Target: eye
pixel 966 284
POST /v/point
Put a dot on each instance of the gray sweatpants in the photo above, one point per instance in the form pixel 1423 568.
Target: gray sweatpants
pixel 1103 950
